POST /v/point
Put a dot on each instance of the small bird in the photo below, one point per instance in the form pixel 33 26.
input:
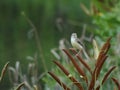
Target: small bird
pixel 77 44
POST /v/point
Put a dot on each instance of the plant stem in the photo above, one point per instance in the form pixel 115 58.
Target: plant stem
pixel 37 41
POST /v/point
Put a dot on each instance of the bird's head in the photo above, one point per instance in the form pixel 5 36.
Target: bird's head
pixel 74 35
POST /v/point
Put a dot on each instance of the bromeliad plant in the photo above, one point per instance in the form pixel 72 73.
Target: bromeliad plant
pixel 91 80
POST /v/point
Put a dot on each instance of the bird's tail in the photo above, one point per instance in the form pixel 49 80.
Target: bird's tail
pixel 86 55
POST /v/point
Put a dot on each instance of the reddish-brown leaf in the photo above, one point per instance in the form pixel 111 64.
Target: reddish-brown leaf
pixel 62 68
pixel 116 82
pixel 100 61
pixel 80 71
pixel 108 73
pixel 92 82
pixel 98 88
pixel 76 82
pixel 99 67
pixel 96 73
pixel 58 80
pixel 82 61
pixel 103 50
pixel 85 64
pixel 69 75
pixel 106 46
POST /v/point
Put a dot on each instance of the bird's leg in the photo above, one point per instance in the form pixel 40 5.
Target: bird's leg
pixel 73 50
pixel 79 53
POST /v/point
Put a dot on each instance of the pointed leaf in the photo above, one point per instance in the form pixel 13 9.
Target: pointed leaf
pixel 59 81
pixel 108 73
pixel 116 82
pixel 80 71
pixel 69 75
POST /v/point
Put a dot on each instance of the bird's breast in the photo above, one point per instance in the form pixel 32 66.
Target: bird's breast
pixel 76 45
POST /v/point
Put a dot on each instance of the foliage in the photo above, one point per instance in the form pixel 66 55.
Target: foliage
pixel 105 17
pixel 53 20
pixel 105 23
pixel 29 80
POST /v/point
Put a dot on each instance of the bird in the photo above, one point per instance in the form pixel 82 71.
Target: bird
pixel 77 44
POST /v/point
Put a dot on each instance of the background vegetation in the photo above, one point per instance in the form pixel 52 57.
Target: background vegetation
pixel 52 21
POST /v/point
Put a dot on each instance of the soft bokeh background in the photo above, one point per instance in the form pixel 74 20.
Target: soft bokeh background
pixel 53 19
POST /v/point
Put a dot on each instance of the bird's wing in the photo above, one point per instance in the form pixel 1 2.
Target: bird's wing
pixel 80 42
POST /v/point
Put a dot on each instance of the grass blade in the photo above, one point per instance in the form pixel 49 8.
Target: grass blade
pixel 3 71
pixel 20 85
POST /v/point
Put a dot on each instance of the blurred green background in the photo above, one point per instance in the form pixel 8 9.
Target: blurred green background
pixel 53 19
pixel 15 41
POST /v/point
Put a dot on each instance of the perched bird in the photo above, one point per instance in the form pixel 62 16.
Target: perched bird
pixel 77 44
